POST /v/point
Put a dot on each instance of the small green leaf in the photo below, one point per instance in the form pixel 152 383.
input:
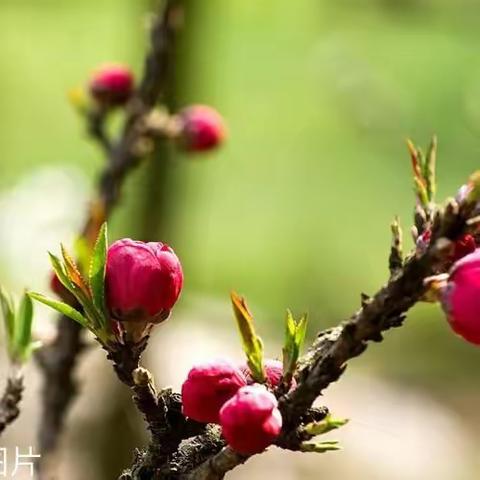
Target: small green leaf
pixel 8 311
pixel 294 338
pixel 61 307
pixel 326 425
pixel 96 276
pixel 429 169
pixel 320 447
pixel 79 293
pixel 23 327
pixel 251 342
pixel 73 273
pixel 473 195
pixel 59 270
pixel 83 253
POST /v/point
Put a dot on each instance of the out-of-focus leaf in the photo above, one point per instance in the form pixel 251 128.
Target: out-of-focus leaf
pixel 251 342
pixel 61 307
pixel 23 328
pixel 473 195
pixel 8 311
pixel 96 275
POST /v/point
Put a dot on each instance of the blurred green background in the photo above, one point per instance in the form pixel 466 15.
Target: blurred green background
pixel 294 211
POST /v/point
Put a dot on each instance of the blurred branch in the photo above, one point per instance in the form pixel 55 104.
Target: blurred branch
pixel 57 360
pixel 9 403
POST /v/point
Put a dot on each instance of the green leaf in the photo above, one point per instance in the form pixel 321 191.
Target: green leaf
pixel 420 184
pixel 326 425
pixel 294 338
pixel 8 311
pixel 473 195
pixel 96 275
pixel 83 252
pixel 73 273
pixel 251 342
pixel 61 307
pixel 23 327
pixel 429 169
pixel 59 270
pixel 79 293
pixel 320 447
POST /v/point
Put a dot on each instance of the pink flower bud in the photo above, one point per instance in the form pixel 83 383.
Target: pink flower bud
pixel 250 420
pixel 461 299
pixel 273 372
pixel 207 387
pixel 111 85
pixel 201 128
pixel 142 281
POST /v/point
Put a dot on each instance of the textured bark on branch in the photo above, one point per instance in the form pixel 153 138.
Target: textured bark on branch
pixel 9 403
pixel 205 457
pixel 57 361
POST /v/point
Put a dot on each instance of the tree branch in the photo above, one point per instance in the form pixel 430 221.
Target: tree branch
pixel 9 403
pixel 205 458
pixel 57 360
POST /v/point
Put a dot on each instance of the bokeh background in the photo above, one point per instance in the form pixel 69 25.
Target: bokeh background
pixel 294 211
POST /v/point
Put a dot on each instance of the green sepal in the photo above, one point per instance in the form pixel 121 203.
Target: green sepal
pixel 294 338
pixel 252 344
pixel 61 307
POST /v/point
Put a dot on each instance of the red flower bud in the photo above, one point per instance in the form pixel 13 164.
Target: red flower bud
pixel 273 372
pixel 423 241
pixel 201 128
pixel 207 387
pixel 463 246
pixel 142 281
pixel 250 420
pixel 461 299
pixel 111 85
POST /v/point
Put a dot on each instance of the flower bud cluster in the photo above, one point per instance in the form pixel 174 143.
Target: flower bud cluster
pixel 224 393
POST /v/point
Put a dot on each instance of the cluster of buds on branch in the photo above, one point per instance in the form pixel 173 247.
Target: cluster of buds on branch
pixel 226 411
pixel 196 128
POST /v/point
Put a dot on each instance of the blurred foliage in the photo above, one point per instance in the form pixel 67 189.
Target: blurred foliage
pixel 319 97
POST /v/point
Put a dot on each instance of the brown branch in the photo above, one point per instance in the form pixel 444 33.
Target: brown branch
pixel 57 360
pixel 9 403
pixel 216 467
pixel 326 360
